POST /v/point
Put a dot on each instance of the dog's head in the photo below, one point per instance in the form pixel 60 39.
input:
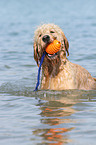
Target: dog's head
pixel 46 34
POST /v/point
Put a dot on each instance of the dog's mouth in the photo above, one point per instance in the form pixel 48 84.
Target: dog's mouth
pixel 50 56
pixel 48 42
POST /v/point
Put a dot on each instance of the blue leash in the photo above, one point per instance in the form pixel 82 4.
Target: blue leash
pixel 38 77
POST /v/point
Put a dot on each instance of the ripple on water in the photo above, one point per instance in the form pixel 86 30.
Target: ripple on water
pixel 47 116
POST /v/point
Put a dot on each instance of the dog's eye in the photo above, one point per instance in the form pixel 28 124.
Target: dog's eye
pixel 40 35
pixel 52 32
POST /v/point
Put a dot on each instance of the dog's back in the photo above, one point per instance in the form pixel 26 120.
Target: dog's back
pixel 71 76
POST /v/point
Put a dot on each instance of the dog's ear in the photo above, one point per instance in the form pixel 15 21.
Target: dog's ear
pixel 66 44
pixel 35 52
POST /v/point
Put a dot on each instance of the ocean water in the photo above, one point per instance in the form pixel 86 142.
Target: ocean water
pixel 45 117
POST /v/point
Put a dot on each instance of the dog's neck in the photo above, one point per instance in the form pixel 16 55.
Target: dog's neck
pixel 51 68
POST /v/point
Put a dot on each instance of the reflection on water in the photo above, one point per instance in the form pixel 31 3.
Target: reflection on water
pixel 56 114
pixel 47 117
pixel 53 135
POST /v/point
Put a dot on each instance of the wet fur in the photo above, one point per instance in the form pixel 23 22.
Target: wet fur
pixel 58 73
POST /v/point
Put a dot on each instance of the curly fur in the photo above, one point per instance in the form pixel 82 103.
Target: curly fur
pixel 58 73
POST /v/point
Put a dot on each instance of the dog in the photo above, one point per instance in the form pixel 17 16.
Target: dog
pixel 58 73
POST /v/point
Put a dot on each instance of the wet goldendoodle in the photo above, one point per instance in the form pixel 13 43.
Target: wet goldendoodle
pixel 58 73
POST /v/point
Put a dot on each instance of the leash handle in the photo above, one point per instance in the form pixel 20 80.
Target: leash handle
pixel 38 77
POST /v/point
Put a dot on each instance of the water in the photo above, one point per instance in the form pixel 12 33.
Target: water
pixel 45 117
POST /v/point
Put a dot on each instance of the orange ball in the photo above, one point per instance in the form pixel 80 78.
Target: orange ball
pixel 53 47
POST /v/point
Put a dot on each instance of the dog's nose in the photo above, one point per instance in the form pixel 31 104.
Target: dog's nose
pixel 46 38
